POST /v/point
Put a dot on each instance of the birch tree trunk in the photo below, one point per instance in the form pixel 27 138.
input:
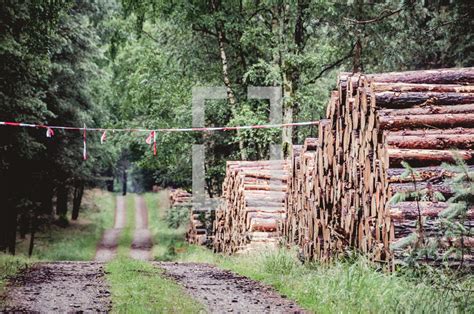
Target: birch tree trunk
pixel 225 75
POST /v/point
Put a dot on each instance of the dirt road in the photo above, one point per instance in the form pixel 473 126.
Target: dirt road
pixel 142 240
pixel 106 249
pixel 222 291
pixel 59 287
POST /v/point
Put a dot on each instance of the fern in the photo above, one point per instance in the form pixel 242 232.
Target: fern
pixel 405 242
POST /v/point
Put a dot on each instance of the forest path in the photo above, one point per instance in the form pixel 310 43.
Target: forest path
pixel 142 240
pixel 63 287
pixel 222 291
pixel 107 247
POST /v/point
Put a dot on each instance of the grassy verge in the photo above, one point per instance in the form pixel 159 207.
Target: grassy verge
pixel 168 242
pixel 344 287
pixel 138 287
pixel 78 241
pixel 9 266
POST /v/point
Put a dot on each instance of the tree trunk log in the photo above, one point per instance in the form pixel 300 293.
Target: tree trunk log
pixel 465 120
pixel 439 141
pixel 427 157
pixel 401 100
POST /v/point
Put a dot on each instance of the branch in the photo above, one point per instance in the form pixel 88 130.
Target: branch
pixel 383 15
pixel 333 65
pixel 151 37
pixel 197 28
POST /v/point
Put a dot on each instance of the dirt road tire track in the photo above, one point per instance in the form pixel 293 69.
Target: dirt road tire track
pixel 142 240
pixel 107 247
pixel 222 291
pixel 62 287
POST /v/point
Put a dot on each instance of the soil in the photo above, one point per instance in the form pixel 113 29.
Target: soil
pixel 107 246
pixel 222 291
pixel 142 240
pixel 59 287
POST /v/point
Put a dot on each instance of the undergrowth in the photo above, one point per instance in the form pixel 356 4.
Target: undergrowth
pixel 10 266
pixel 168 242
pixel 78 241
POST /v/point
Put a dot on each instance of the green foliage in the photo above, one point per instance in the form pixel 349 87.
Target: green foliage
pixel 79 241
pixel 51 74
pixel 453 219
pixel 10 266
pixel 165 48
pixel 177 216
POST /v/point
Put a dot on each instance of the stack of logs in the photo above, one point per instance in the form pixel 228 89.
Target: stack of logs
pixel 180 198
pixel 253 206
pixel 341 184
pixel 199 229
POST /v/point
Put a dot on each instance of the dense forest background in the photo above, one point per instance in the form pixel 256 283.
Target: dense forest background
pixel 134 62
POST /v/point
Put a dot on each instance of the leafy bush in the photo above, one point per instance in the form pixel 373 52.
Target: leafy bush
pixel 177 216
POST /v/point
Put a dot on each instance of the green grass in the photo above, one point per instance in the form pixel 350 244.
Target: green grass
pixel 9 266
pixel 139 287
pixel 343 287
pixel 78 241
pixel 168 242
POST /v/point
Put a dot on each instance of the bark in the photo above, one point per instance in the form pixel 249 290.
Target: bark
pixel 34 221
pixel 77 200
pixel 439 141
pixel 465 120
pixel 427 157
pixel 61 200
pixel 8 224
pixel 409 210
pixel 440 76
pixel 410 87
pixel 429 109
pixel 422 174
pixel 124 182
pixel 427 188
pixel 409 99
pixel 225 75
pixel 110 185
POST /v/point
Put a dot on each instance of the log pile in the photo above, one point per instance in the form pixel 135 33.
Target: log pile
pixel 180 197
pixel 253 206
pixel 341 184
pixel 199 229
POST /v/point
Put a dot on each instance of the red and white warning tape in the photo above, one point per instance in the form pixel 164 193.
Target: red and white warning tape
pixel 151 139
pixel 203 129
